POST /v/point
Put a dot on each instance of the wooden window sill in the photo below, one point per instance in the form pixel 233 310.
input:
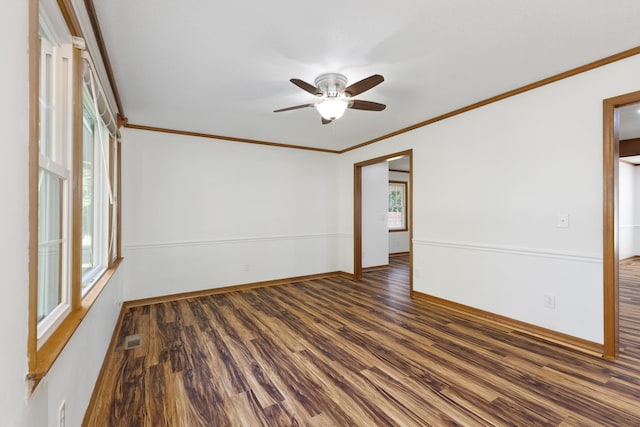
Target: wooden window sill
pixel 49 352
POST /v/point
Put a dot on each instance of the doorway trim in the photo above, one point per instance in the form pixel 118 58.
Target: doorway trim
pixel 611 156
pixel 357 212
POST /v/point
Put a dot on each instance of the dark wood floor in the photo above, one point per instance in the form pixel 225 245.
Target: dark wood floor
pixel 629 299
pixel 333 352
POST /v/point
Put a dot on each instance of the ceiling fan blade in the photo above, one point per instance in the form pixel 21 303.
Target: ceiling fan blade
pixel 366 105
pixel 363 85
pixel 325 121
pixel 306 86
pixel 294 108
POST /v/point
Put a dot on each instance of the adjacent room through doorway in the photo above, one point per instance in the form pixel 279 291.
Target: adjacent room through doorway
pixel 382 213
pixel 629 228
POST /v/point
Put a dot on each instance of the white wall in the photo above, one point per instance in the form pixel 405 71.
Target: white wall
pixel 13 215
pixel 73 375
pixel 629 210
pixel 202 213
pixel 485 230
pixel 375 205
pixel 399 240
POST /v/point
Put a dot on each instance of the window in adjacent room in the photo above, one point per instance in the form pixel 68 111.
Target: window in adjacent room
pixel 397 216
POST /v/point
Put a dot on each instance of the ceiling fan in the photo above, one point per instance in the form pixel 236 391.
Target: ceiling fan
pixel 336 95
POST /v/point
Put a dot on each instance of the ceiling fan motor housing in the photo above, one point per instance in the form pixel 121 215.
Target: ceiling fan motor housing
pixel 332 85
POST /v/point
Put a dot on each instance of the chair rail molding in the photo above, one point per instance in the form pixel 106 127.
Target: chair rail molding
pixel 227 241
pixel 513 250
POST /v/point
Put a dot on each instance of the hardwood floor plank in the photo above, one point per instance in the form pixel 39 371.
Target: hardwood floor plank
pixel 333 351
pixel 353 384
pixel 258 381
pixel 402 394
pixel 278 416
pixel 248 410
pixel 206 396
pixel 230 372
pixel 128 405
pixel 510 413
pixel 293 382
pixel 335 388
pixel 160 402
pixel 174 351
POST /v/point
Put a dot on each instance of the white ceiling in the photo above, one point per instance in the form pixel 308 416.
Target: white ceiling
pixel 631 159
pixel 222 67
pixel 401 164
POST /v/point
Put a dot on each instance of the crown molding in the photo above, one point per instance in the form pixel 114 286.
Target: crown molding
pixel 225 138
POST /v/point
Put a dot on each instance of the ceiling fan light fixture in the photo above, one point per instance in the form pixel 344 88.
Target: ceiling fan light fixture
pixel 332 109
pixel 335 96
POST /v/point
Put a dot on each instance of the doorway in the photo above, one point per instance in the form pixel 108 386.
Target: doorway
pixel 611 156
pixel 358 211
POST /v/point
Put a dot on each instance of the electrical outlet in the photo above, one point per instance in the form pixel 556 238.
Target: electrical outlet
pixel 550 301
pixel 246 267
pixel 62 415
pixel 563 221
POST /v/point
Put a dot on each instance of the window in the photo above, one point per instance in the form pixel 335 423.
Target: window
pixel 95 194
pixel 397 217
pixel 74 157
pixel 99 153
pixel 54 141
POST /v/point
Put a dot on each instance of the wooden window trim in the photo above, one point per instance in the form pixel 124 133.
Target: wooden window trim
pixel 119 199
pixel 76 195
pixel 34 156
pixel 406 203
pixel 110 248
